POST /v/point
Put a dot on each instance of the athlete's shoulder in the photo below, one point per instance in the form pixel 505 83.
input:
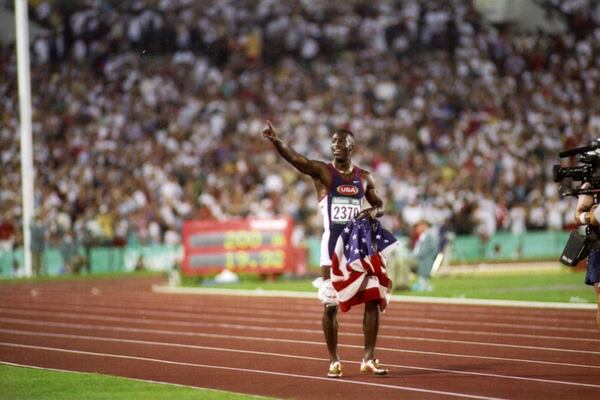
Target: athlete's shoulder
pixel 364 173
pixel 367 178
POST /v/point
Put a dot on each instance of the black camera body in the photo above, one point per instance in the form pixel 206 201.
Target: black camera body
pixel 587 170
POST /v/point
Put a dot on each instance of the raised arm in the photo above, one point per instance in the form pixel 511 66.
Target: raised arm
pixel 314 168
pixel 372 196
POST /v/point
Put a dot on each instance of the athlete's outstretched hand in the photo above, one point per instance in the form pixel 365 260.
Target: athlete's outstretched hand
pixel 270 133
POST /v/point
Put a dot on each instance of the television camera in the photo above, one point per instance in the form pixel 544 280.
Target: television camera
pixel 587 170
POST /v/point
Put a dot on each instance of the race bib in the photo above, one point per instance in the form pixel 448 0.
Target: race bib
pixel 343 209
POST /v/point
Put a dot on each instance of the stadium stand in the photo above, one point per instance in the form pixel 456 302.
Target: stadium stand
pixel 149 112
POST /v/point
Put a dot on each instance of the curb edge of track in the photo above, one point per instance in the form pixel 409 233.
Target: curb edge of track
pixel 396 298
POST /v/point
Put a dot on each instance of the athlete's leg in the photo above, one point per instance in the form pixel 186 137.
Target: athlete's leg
pixel 370 328
pixel 330 322
pixel 330 329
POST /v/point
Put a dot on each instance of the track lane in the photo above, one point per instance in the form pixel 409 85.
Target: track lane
pixel 246 380
pixel 401 379
pixel 388 330
pixel 427 348
pixel 214 340
pixel 158 339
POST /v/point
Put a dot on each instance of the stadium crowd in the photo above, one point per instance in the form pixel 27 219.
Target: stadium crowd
pixel 147 113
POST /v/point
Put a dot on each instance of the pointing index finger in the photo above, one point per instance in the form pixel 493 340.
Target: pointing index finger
pixel 270 126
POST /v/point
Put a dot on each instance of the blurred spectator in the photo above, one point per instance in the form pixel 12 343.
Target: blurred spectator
pixel 425 252
pixel 70 253
pixel 7 234
pixel 38 245
pixel 8 238
pixel 146 113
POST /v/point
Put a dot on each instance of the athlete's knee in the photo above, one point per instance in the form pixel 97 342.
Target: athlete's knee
pixel 372 306
pixel 330 311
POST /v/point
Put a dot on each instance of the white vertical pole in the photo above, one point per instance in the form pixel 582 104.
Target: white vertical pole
pixel 22 34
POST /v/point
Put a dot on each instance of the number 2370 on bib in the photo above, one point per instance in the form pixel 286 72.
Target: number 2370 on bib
pixel 343 209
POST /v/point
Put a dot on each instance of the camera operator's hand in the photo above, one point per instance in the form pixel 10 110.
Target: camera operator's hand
pixel 594 215
pixel 585 209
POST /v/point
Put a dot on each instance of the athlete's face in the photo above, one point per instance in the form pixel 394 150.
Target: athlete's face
pixel 341 146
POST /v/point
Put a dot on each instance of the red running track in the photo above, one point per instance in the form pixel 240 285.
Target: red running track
pixel 274 347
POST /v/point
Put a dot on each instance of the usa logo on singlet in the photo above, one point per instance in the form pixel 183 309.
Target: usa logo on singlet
pixel 347 190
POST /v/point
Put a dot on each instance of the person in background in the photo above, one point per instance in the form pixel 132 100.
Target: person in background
pixel 38 245
pixel 7 236
pixel 70 253
pixel 425 251
pixel 587 213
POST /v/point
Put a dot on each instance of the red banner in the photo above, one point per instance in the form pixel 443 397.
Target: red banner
pixel 241 245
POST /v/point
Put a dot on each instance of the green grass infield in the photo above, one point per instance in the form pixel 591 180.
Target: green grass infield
pixel 22 383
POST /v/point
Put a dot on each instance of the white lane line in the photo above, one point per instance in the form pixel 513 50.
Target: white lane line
pixel 315 321
pixel 254 371
pixel 192 313
pixel 398 298
pixel 419 329
pixel 128 378
pixel 502 345
pixel 302 304
pixel 496 325
pixel 314 316
pixel 422 339
pixel 302 310
pixel 484 333
pixel 406 300
pixel 413 338
pixel 278 340
pixel 282 355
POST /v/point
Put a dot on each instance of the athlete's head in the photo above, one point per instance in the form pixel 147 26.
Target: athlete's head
pixel 342 144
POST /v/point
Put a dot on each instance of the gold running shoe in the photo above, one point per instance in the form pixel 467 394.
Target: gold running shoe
pixel 335 370
pixel 372 367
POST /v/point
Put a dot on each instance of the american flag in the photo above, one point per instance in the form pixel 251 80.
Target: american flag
pixel 358 271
